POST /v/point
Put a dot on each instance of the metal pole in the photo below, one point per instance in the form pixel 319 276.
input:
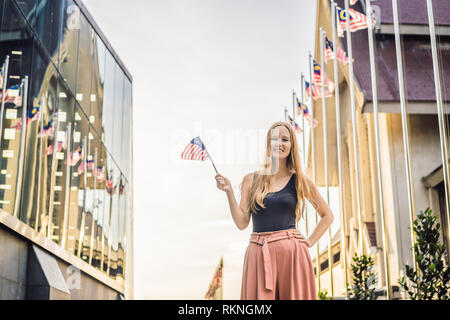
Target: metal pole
pixel 401 87
pixel 325 155
pixel 355 140
pixel 304 144
pixel 377 147
pixel 103 225
pixel 38 198
pixel 67 187
pixel 23 133
pixel 110 225
pixel 52 179
pixel 5 69
pixel 339 151
pixel 293 109
pixel 93 210
pixel 440 111
pixel 285 114
pixel 84 152
pixel 313 162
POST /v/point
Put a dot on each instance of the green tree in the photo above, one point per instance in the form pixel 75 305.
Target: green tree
pixel 363 279
pixel 323 295
pixel 433 281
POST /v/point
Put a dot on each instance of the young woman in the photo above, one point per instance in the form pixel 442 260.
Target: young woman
pixel 277 263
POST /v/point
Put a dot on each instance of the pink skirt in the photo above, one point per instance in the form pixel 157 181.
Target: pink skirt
pixel 277 267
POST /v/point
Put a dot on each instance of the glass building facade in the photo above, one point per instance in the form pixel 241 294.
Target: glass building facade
pixel 66 130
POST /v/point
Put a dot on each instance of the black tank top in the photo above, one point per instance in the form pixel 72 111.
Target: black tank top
pixel 279 211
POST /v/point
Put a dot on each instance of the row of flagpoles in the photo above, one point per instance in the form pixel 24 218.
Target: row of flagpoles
pixel 320 87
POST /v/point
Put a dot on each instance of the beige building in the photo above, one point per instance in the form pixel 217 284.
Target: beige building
pixel 424 139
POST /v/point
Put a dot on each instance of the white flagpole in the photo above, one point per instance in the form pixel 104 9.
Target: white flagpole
pixel 209 157
pixel 304 145
pixel 355 139
pixel 325 154
pixel 441 117
pixel 339 151
pixel 293 109
pixel 23 132
pixel 401 87
pixel 377 147
pixel 313 162
pixel 5 69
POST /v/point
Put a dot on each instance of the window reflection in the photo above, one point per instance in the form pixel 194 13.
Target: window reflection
pixel 97 86
pixel 17 42
pixel 108 100
pixel 68 47
pixel 84 74
pixel 74 182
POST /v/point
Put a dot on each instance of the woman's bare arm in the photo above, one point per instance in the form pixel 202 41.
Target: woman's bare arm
pixel 324 212
pixel 240 213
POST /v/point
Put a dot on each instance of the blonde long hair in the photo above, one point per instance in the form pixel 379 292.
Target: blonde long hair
pixel 261 180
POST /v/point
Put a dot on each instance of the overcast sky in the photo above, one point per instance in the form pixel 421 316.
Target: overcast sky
pixel 221 69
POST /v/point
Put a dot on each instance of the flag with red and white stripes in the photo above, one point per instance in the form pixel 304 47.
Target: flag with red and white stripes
pixel 358 21
pixel 195 150
pixel 330 53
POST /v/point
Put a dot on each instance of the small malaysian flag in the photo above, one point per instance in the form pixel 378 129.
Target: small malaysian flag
pixel 317 79
pixel 49 149
pixel 75 156
pixel 90 164
pixel 317 92
pixel 48 129
pixel 358 21
pixel 80 169
pixel 317 72
pixel 329 50
pixel 195 150
pixel 307 90
pixel 297 128
pixel 100 173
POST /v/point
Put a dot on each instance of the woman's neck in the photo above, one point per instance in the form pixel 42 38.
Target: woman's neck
pixel 279 168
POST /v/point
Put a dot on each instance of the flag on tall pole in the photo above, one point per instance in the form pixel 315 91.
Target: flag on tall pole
pixel 358 21
pixel 215 290
pixel 306 114
pixel 318 74
pixel 297 127
pixel 196 150
pixel 330 52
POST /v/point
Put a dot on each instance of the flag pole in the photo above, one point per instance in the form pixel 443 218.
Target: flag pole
pixel 313 162
pixel 293 109
pixel 304 143
pixel 210 157
pixel 38 198
pixel 377 147
pixel 67 189
pixel 5 69
pixel 325 154
pixel 23 132
pixel 339 151
pixel 354 124
pixel 441 117
pixel 285 114
pixel 401 87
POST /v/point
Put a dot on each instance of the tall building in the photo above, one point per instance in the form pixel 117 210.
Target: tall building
pixel 424 138
pixel 66 175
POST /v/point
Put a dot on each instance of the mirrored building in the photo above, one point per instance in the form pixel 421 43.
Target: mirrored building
pixel 65 156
